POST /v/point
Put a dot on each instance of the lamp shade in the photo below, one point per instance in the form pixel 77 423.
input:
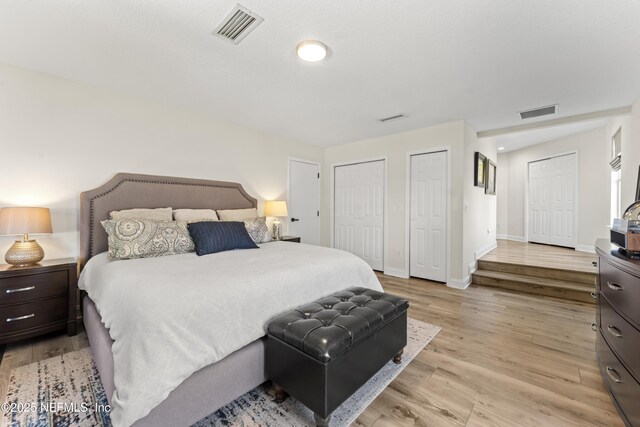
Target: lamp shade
pixel 25 221
pixel 275 208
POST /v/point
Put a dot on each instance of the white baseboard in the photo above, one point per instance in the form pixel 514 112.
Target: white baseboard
pixel 510 237
pixel 486 249
pixel 586 248
pixel 459 284
pixel 396 272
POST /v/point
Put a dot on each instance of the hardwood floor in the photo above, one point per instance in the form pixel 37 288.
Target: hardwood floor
pixel 533 254
pixel 502 359
pixel 539 269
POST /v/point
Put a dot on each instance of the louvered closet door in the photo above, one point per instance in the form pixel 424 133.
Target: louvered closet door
pixel 359 211
pixel 428 227
pixel 552 201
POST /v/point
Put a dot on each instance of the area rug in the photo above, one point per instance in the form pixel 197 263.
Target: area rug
pixel 66 391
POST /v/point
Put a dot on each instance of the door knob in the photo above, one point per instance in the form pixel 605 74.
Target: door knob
pixel 295 219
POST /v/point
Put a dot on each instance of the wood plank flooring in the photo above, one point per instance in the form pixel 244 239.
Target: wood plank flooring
pixel 537 255
pixel 502 359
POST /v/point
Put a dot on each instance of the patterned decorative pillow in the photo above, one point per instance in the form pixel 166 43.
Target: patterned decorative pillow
pixel 141 238
pixel 195 215
pixel 159 214
pixel 258 230
pixel 237 214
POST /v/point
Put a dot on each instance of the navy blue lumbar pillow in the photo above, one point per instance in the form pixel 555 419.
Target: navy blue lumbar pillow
pixel 211 237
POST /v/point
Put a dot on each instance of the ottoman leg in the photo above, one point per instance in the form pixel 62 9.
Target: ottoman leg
pixel 321 422
pixel 279 393
pixel 397 359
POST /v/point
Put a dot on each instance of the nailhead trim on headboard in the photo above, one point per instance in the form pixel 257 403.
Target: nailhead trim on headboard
pixel 169 181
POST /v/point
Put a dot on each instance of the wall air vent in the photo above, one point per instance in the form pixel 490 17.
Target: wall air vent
pixel 537 112
pixel 392 118
pixel 237 25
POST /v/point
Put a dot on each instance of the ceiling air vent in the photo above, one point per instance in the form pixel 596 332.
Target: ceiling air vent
pixel 392 118
pixel 238 24
pixel 537 112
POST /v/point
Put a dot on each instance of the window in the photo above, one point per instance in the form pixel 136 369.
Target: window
pixel 616 174
pixel 615 194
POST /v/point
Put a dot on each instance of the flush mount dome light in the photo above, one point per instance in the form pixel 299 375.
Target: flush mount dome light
pixel 311 51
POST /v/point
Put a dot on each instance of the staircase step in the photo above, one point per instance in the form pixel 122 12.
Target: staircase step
pixel 588 278
pixel 558 288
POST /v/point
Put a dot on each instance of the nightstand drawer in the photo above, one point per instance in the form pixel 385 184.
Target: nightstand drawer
pixel 33 314
pixel 19 289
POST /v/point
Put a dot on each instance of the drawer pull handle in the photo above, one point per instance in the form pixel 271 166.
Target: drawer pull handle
pixel 614 331
pixel 594 295
pixel 614 286
pixel 613 375
pixel 594 327
pixel 13 319
pixel 28 288
pixel 594 263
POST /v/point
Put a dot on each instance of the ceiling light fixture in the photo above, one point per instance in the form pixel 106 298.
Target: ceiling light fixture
pixel 500 148
pixel 311 51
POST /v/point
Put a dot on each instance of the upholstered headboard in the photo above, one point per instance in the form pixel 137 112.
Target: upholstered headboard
pixel 128 190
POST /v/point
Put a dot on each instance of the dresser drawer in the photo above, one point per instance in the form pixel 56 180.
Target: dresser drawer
pixel 33 314
pixel 621 289
pixel 19 289
pixel 623 387
pixel 623 338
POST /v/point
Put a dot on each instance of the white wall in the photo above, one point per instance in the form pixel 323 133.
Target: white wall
pixel 395 148
pixel 462 142
pixel 60 138
pixel 594 184
pixel 630 125
pixel 502 190
pixel 479 208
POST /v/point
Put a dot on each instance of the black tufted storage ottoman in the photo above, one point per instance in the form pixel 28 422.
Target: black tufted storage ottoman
pixel 322 352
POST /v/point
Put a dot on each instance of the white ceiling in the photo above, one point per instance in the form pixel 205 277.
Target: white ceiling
pixel 435 61
pixel 518 140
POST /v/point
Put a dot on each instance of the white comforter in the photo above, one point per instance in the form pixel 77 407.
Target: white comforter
pixel 173 315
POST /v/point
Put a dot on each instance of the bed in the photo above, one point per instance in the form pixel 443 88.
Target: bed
pixel 119 296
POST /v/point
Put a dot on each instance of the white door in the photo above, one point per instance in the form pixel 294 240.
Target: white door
pixel 539 201
pixel 359 211
pixel 304 201
pixel 552 201
pixel 428 227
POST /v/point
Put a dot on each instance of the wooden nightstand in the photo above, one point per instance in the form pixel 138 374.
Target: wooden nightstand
pixel 290 239
pixel 38 299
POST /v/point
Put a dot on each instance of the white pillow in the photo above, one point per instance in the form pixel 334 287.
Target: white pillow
pixel 160 214
pixel 237 214
pixel 194 215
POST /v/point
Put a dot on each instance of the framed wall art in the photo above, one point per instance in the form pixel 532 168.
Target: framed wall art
pixel 479 167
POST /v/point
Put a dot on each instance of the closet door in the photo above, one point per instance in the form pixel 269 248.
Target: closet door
pixel 562 178
pixel 552 201
pixel 539 201
pixel 359 211
pixel 428 228
pixel 371 208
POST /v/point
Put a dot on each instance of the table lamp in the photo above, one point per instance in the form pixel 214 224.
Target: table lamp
pixel 24 221
pixel 276 209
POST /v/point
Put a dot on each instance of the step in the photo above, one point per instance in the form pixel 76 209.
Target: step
pixel 588 278
pixel 575 291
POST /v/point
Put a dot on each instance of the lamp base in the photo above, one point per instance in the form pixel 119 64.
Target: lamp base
pixel 24 253
pixel 277 232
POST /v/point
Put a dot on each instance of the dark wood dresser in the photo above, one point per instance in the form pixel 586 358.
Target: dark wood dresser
pixel 618 326
pixel 38 299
